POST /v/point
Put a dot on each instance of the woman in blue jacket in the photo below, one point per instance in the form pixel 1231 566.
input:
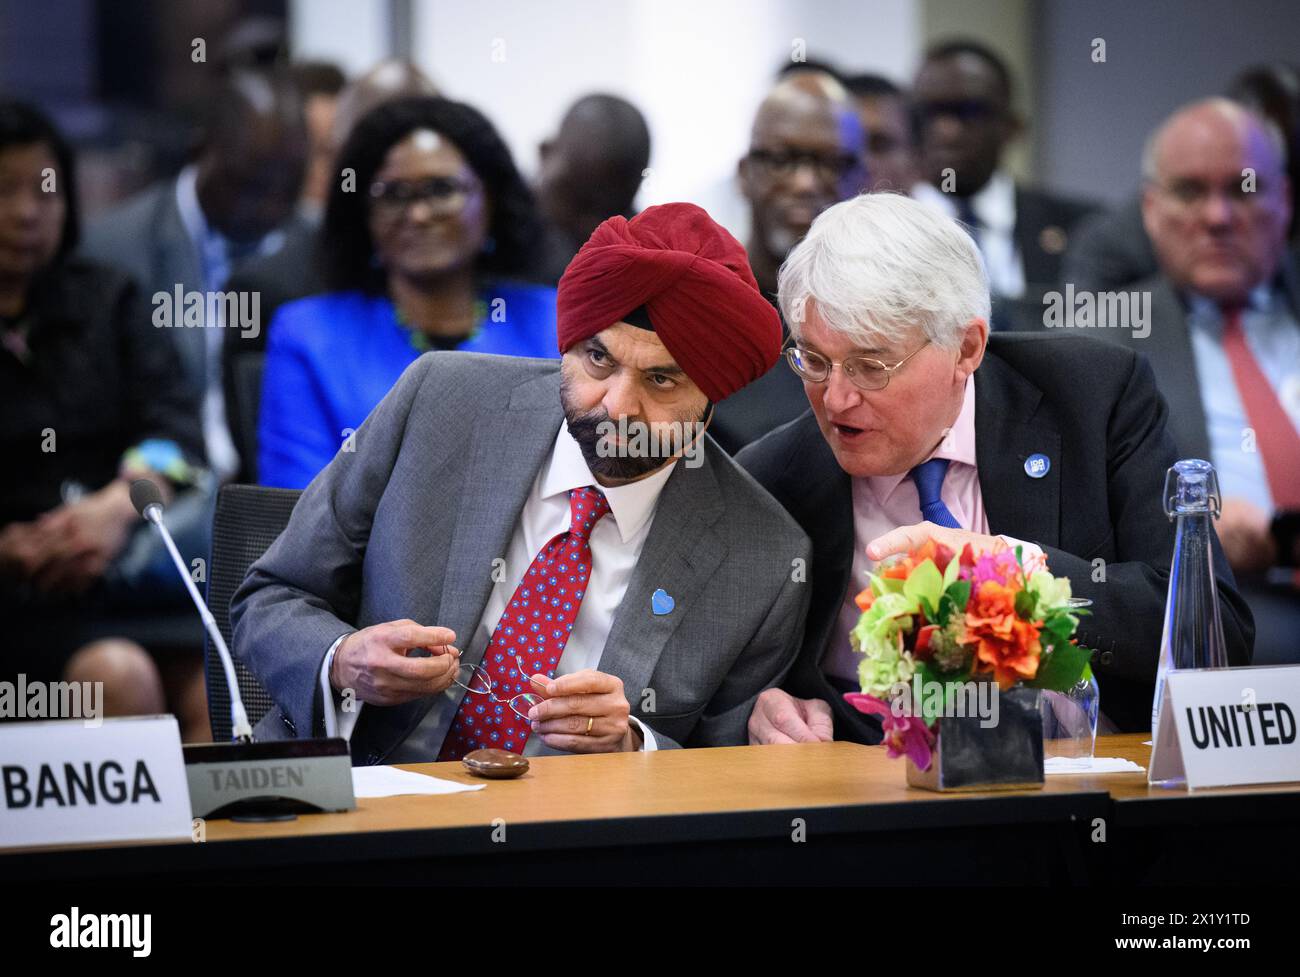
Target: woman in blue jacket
pixel 428 224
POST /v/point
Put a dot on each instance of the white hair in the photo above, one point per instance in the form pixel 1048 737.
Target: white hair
pixel 880 265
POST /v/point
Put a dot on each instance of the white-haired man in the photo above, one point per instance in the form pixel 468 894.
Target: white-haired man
pixel 923 425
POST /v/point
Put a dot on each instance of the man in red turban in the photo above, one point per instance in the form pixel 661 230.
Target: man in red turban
pixel 669 290
pixel 643 590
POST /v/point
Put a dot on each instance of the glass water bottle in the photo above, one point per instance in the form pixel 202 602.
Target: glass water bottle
pixel 1193 631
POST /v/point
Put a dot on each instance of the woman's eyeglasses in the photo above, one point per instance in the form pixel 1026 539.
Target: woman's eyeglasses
pixel 442 194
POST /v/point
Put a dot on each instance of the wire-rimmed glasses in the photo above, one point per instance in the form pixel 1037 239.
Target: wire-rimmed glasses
pixel 866 372
pixel 477 680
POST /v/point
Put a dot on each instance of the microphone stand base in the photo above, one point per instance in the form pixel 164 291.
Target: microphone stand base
pixel 269 781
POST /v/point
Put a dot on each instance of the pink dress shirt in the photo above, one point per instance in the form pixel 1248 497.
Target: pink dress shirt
pixel 885 502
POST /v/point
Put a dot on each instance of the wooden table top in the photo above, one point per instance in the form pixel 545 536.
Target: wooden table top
pixel 682 782
pixel 840 786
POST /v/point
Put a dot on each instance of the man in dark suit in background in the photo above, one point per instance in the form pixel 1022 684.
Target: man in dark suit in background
pixel 190 232
pixel 590 170
pixel 806 152
pixel 963 102
pixel 1111 250
pixel 922 425
pixel 1224 334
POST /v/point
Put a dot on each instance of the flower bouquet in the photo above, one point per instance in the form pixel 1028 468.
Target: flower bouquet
pixel 955 648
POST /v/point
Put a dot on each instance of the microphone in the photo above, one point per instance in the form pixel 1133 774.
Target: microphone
pixel 231 780
pixel 148 502
pixel 147 499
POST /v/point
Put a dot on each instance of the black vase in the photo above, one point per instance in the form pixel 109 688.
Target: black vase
pixel 1004 756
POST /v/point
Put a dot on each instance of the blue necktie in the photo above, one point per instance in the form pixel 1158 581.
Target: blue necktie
pixel 928 477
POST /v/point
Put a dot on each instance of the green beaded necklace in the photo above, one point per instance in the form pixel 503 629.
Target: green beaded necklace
pixel 422 343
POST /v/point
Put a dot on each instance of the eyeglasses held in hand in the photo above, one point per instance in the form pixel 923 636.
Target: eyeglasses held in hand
pixel 476 680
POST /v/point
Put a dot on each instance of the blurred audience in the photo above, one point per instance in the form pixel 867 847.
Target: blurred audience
pixel 591 170
pixel 1225 333
pixel 374 220
pixel 320 84
pixel 419 255
pixel 886 117
pixel 230 204
pixel 291 271
pixel 963 97
pixel 91 397
pixel 1111 250
pixel 806 152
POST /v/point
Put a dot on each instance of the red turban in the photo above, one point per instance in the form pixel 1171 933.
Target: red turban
pixel 694 280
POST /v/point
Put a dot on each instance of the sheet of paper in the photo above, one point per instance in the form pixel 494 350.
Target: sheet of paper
pixel 389 782
pixel 1100 764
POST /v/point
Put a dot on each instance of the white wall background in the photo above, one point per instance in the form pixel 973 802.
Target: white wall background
pixel 354 34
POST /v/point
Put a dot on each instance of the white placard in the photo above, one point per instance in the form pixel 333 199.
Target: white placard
pixel 67 782
pixel 1222 727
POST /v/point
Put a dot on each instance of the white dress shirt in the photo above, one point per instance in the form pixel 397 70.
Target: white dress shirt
pixel 995 206
pixel 616 542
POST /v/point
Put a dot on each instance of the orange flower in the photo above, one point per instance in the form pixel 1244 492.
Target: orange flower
pixel 1005 645
pixel 928 550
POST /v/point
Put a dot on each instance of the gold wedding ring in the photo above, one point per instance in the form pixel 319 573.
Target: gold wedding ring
pixel 590 720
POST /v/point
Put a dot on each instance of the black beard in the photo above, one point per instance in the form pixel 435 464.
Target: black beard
pixel 585 429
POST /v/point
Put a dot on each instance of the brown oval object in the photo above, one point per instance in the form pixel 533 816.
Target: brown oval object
pixel 495 764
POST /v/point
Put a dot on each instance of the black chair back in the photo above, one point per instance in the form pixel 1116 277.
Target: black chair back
pixel 247 521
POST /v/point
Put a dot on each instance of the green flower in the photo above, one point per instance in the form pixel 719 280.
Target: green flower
pixel 1053 593
pixel 878 674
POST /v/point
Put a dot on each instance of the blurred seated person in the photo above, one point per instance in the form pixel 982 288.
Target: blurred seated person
pixel 1112 250
pixel 91 397
pixel 590 170
pixel 806 153
pixel 291 272
pixel 234 202
pixel 886 116
pixel 1224 336
pixel 419 256
pixel 320 84
pixel 964 100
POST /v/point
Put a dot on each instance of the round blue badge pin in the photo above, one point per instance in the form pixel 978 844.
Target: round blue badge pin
pixel 1037 465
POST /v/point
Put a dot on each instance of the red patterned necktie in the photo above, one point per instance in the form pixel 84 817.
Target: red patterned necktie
pixel 535 626
pixel 1275 434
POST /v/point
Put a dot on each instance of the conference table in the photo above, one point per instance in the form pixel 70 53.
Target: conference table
pixel 821 813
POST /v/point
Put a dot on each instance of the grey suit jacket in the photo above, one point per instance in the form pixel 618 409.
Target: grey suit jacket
pixel 408 524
